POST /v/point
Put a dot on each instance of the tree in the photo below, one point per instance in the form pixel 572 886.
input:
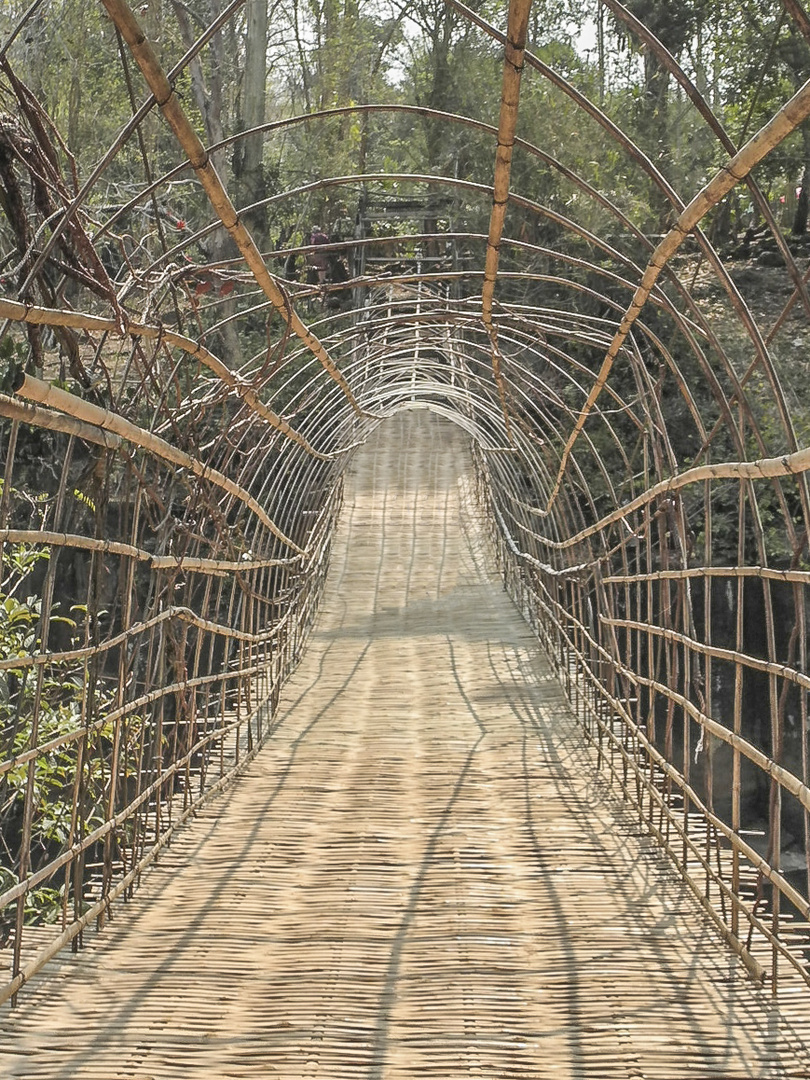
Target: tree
pixel 248 158
pixel 675 23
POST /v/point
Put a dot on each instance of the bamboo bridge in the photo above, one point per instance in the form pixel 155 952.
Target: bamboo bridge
pixel 422 873
pixel 403 664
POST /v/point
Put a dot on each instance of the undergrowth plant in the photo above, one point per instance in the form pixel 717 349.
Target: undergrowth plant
pixel 63 809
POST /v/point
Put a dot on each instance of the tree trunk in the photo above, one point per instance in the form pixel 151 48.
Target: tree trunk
pixel 208 99
pixel 654 124
pixel 439 97
pixel 800 217
pixel 248 164
pixel 207 95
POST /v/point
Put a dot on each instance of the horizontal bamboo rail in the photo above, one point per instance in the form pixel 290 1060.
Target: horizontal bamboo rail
pixel 785 465
pixel 39 391
pixel 157 562
pixel 54 421
pixel 39 316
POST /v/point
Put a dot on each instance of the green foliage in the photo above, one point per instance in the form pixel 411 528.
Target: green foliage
pixel 60 692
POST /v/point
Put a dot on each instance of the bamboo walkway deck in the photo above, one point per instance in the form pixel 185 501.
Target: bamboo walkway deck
pixel 420 876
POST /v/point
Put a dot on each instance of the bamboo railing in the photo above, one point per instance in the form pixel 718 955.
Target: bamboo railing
pixel 168 496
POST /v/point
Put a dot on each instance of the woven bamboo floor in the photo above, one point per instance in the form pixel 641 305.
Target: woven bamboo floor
pixel 420 876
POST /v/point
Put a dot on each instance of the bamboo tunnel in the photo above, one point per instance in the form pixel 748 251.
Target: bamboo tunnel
pixel 186 374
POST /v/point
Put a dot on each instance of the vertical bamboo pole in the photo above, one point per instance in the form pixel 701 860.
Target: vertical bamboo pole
pixel 650 613
pixel 122 727
pixel 708 742
pixel 736 761
pixel 199 710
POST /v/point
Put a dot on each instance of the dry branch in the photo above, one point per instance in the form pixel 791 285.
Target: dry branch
pixel 799 16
